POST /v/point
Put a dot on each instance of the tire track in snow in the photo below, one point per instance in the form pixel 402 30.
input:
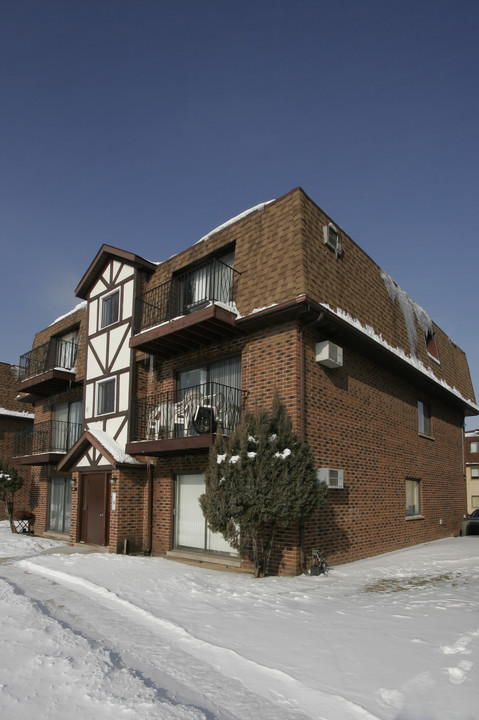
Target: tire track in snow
pixel 270 683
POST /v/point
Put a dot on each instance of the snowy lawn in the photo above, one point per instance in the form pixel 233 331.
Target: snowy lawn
pixel 396 636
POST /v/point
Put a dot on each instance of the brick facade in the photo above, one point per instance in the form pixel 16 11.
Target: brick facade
pixel 15 417
pixel 291 292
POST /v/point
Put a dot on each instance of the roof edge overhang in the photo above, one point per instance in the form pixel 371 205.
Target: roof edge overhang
pixel 104 255
pixel 81 446
pixel 311 312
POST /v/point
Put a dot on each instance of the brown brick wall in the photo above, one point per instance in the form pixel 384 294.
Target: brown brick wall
pixel 361 418
pixel 280 254
pixel 9 425
pixel 364 419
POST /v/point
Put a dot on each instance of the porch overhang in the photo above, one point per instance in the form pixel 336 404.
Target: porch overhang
pixel 88 439
pixel 210 325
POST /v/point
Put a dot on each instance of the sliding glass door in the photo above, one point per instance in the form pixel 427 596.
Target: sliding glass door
pixel 191 530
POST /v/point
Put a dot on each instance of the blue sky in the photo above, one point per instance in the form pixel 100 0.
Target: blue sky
pixel 146 123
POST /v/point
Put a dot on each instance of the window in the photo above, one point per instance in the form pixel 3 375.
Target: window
pixel 212 390
pixel 66 350
pixel 110 306
pixel 431 345
pixel 413 497
pixel 474 447
pixel 210 281
pixel 106 396
pixel 424 418
pixel 60 504
pixel 475 501
pixel 475 473
pixel 66 425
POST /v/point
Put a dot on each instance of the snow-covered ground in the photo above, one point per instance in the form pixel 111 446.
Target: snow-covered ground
pixel 110 636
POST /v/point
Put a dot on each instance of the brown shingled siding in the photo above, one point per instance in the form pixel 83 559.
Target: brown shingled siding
pixel 354 284
pixel 78 318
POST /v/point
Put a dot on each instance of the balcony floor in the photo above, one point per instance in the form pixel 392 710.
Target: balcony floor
pixel 195 443
pixel 50 382
pixel 210 325
pixel 48 458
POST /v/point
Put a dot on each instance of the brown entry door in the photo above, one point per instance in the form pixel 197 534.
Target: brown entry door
pixel 94 508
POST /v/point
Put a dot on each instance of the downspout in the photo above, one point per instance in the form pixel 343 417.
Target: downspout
pixel 149 516
pixel 302 412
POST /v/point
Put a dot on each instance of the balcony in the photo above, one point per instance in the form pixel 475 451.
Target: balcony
pixel 45 443
pixel 49 368
pixel 185 420
pixel 193 309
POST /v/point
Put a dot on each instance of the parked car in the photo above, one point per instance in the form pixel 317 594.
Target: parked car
pixel 470 526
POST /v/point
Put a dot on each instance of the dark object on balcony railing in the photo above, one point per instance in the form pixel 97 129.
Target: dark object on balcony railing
pixel 197 410
pixel 212 281
pixel 50 437
pixel 204 420
pixel 52 362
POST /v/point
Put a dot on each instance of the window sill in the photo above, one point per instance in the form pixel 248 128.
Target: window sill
pixel 415 517
pixel 427 437
pixel 432 357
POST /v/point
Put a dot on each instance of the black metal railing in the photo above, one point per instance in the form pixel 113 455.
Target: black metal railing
pixel 56 353
pixel 197 410
pixel 52 436
pixel 213 281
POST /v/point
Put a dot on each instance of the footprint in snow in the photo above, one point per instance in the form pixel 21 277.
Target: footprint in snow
pixel 458 674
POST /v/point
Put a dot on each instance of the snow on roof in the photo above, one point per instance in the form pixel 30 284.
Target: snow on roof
pixel 112 447
pixel 80 306
pixel 410 359
pixel 260 309
pixel 232 220
pixel 410 310
pixel 17 413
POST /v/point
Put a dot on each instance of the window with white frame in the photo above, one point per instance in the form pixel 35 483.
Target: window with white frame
pixel 474 447
pixel 105 396
pixel 413 497
pixel 424 418
pixel 110 309
pixel 475 473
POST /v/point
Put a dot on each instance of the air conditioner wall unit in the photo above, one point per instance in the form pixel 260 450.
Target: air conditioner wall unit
pixel 331 239
pixel 333 477
pixel 329 354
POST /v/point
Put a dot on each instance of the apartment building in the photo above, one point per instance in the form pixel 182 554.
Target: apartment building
pixel 14 418
pixel 471 454
pixel 162 354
